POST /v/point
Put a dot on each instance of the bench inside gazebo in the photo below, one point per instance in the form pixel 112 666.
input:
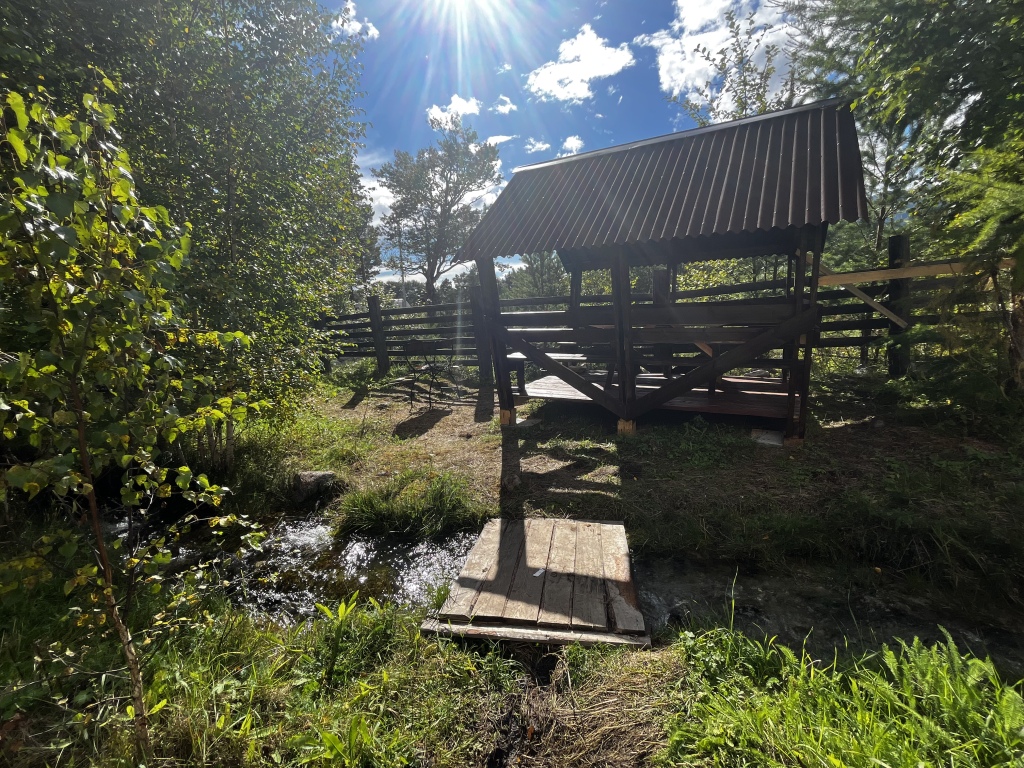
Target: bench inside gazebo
pixel 766 186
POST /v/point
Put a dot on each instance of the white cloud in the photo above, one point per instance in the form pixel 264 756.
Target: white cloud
pixel 581 60
pixel 348 23
pixel 571 146
pixel 380 197
pixel 496 140
pixel 504 105
pixel 457 106
pixel 535 145
pixel 483 198
pixel 505 67
pixel 682 68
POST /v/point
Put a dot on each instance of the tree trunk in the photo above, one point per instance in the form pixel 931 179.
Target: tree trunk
pixel 1016 332
pixel 143 745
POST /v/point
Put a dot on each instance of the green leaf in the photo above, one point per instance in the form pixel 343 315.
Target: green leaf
pixel 62 204
pixel 333 745
pixel 16 139
pixel 158 706
pixel 17 105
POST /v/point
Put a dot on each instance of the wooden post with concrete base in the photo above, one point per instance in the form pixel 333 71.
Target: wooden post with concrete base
pixel 490 306
pixel 898 353
pixel 481 338
pixel 380 344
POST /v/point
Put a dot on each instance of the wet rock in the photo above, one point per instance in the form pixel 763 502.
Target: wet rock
pixel 309 487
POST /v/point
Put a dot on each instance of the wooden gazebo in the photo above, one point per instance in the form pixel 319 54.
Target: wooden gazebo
pixel 758 187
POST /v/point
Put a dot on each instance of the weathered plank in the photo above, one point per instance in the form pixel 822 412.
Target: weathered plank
pixel 926 269
pixel 618 582
pixel 533 634
pixel 556 602
pixel 493 592
pixel 588 600
pixel 481 566
pixel 523 604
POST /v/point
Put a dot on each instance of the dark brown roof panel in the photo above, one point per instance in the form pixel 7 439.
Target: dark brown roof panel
pixel 773 172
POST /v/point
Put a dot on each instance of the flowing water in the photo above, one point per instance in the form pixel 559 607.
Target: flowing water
pixel 302 563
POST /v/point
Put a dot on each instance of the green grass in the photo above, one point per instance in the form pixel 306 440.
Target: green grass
pixel 751 703
pixel 360 686
pixel 270 453
pixel 263 693
pixel 415 502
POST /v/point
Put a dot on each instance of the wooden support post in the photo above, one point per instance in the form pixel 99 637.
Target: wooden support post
pixel 809 338
pixel 621 303
pixel 380 343
pixel 793 350
pixel 575 288
pixel 491 311
pixel 898 353
pixel 481 337
pixel 662 290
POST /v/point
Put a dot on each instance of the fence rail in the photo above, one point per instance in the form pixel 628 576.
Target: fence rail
pixel 454 332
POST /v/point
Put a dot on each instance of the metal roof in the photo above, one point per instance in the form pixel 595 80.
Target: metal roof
pixel 779 171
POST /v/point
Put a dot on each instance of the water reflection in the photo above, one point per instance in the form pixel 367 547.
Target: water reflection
pixel 302 564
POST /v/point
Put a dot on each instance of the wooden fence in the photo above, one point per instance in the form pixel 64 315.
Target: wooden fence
pixel 450 331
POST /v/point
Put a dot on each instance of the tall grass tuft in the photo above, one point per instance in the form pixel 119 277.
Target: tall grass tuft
pixel 419 503
pixel 757 703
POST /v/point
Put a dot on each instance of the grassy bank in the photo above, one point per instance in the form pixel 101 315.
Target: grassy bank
pixel 359 686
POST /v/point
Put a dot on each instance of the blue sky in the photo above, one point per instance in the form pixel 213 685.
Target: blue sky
pixel 538 77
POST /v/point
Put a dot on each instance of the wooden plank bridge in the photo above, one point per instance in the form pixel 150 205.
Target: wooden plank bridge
pixel 546 581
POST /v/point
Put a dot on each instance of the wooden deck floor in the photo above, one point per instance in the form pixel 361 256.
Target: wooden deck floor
pixel 546 581
pixel 745 398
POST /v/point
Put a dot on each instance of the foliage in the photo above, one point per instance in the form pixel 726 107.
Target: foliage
pixel 955 64
pixel 239 118
pixel 758 703
pixel 933 87
pixel 358 685
pixel 988 193
pixel 541 274
pixel 92 381
pixel 93 377
pixel 435 194
pixel 743 82
pixel 415 502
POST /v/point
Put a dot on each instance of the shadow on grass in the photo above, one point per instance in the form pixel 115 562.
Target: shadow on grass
pixel 357 397
pixel 484 404
pixel 420 424
pixel 925 508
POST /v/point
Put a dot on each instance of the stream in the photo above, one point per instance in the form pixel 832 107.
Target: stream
pixel 301 563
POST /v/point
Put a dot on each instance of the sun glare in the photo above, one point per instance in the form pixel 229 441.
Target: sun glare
pixel 468 40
